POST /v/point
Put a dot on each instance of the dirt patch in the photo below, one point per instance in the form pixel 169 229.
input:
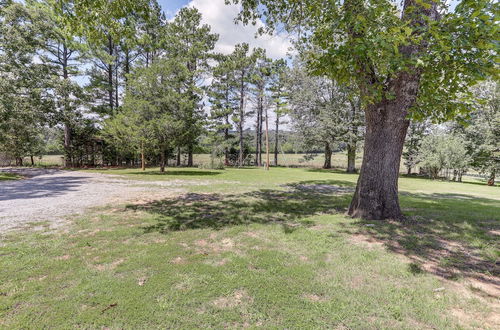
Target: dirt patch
pixel 108 267
pixel 366 241
pixel 217 262
pixel 236 299
pixel 314 297
pixel 142 280
pixel 216 246
pixel 178 261
pixel 488 321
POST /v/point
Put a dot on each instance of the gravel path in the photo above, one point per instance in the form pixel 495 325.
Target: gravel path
pixel 53 195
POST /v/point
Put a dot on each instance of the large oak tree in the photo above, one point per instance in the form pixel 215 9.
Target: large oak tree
pixel 416 60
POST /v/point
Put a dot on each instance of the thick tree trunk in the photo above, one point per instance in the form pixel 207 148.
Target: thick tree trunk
pixel 178 161
pixel 32 161
pixel 67 146
pixel 162 161
pixel 408 170
pixel 351 158
pixel 190 156
pixel 376 195
pixel 328 156
pixel 491 181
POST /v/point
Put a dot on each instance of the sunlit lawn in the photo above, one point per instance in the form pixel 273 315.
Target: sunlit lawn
pixel 250 248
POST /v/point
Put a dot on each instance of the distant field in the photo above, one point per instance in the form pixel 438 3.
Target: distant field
pixel 45 160
pixel 339 161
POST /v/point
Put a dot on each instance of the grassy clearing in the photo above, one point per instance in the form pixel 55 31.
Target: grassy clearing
pixel 45 160
pixel 9 176
pixel 261 249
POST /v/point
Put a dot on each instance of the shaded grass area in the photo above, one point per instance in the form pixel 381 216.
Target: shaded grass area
pixel 258 249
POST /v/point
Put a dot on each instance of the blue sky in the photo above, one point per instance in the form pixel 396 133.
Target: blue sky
pixel 171 6
pixel 221 18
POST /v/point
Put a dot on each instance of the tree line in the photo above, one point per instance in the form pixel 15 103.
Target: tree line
pixel 139 89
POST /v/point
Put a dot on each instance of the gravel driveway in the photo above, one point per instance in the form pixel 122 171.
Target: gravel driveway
pixel 52 195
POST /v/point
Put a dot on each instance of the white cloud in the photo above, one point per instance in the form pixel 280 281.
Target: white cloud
pixel 221 18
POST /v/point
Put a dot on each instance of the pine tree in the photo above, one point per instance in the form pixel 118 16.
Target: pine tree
pixel 279 98
pixel 191 43
pixel 243 71
pixel 224 103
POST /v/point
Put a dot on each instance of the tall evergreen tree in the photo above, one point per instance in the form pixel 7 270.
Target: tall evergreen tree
pixel 62 50
pixel 279 99
pixel 224 103
pixel 191 43
pixel 243 71
pixel 260 83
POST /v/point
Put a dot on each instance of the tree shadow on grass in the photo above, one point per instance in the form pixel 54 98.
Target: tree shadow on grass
pixel 449 235
pixel 480 182
pixel 292 204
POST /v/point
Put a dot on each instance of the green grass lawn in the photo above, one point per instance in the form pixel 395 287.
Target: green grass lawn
pixel 250 248
pixel 9 176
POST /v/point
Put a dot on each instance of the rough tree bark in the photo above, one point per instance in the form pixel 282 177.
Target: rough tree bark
pixel 190 156
pixel 491 181
pixel 328 156
pixel 162 160
pixel 376 195
pixel 351 158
